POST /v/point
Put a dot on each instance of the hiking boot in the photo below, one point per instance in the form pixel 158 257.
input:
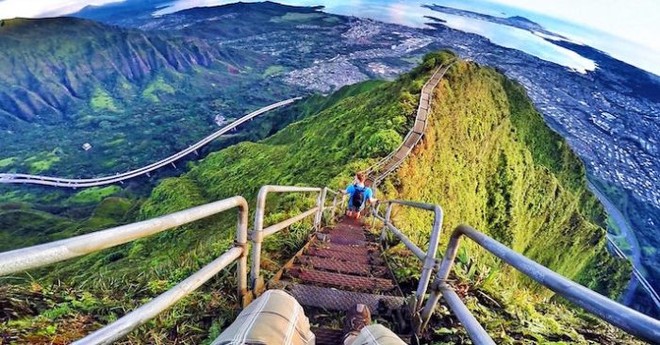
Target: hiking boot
pixel 357 318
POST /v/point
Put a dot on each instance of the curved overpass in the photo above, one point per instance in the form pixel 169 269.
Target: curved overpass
pixel 101 181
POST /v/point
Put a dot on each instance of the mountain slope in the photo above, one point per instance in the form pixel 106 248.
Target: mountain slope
pixel 344 133
pixel 52 67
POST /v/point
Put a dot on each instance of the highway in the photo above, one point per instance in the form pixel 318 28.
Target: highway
pixel 106 180
pixel 636 261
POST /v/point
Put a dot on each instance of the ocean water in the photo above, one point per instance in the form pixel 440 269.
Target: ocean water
pixel 412 13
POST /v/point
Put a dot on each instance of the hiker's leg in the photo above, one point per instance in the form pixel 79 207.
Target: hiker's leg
pixel 350 209
pixel 273 318
pixel 374 335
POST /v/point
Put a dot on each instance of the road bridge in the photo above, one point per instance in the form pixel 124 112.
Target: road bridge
pixel 106 180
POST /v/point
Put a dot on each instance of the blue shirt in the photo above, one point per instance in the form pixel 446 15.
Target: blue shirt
pixel 368 193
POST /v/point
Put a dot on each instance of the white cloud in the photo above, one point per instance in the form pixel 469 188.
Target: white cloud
pixel 627 30
pixel 45 8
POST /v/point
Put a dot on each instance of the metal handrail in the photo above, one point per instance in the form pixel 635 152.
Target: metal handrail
pixel 259 233
pixel 428 258
pixel 45 254
pixel 625 318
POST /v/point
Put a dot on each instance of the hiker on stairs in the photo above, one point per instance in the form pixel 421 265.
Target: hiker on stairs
pixel 358 194
pixel 276 318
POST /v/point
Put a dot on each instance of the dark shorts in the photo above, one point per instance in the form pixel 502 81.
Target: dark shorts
pixel 353 208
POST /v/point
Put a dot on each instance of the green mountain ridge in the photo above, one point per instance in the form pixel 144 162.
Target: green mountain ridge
pixel 488 159
pixel 132 95
pixel 53 68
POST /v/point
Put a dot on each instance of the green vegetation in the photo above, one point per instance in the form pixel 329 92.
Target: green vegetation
pixel 491 162
pixel 157 86
pixel 94 195
pixel 273 70
pixel 101 100
pixel 297 17
pixel 481 160
pixel 43 161
pixel 7 162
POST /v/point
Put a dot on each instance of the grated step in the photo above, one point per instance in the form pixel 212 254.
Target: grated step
pixel 341 227
pixel 341 280
pixel 338 239
pixel 348 233
pixel 325 253
pixel 329 264
pixel 333 299
pixel 354 250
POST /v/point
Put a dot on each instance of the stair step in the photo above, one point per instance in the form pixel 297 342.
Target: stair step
pixel 328 336
pixel 347 232
pixel 329 264
pixel 325 253
pixel 348 228
pixel 341 280
pixel 349 249
pixel 338 239
pixel 332 299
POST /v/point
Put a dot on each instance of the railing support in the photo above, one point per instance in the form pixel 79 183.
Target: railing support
pixel 320 204
pixel 242 242
pixel 428 257
pixel 258 234
pixel 49 253
pixel 629 320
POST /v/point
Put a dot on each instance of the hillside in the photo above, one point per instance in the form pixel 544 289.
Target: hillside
pixel 131 94
pixel 488 159
pixel 53 67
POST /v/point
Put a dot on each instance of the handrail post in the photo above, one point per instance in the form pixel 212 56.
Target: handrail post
pixel 443 273
pixel 256 283
pixel 388 220
pixel 258 233
pixel 320 203
pixel 334 207
pixel 430 261
pixel 242 242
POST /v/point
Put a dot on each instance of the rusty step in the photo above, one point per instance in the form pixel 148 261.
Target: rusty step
pixel 325 253
pixel 333 299
pixel 347 231
pixel 329 264
pixel 341 280
pixel 348 228
pixel 363 250
pixel 338 239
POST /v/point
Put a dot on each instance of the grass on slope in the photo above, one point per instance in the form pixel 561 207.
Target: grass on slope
pixel 490 161
pixel 337 135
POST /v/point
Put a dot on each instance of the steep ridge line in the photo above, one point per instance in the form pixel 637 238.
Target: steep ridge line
pixel 106 180
pixel 379 171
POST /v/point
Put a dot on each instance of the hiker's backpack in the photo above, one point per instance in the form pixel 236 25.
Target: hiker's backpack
pixel 358 196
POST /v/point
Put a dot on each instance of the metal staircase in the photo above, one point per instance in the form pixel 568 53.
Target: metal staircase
pixel 341 265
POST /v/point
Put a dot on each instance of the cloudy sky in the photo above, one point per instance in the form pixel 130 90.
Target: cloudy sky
pixel 626 29
pixel 44 8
